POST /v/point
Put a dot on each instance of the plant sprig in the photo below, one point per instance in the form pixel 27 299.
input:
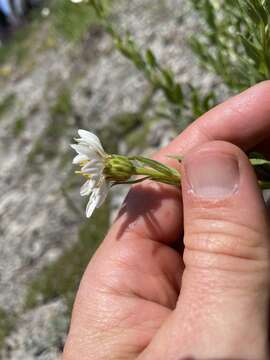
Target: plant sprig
pixel 184 102
pixel 234 40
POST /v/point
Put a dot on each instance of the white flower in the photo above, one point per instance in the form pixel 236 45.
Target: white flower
pixel 92 158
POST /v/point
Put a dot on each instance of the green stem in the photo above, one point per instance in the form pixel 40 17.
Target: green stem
pixel 158 176
pixel 173 180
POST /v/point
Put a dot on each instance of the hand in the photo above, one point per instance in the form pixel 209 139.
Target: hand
pixel 143 296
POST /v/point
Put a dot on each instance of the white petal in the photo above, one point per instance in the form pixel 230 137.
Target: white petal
pixel 87 187
pixel 79 158
pixel 96 169
pixel 92 203
pixel 103 192
pixel 91 139
pixel 85 150
pixel 76 147
pixel 97 197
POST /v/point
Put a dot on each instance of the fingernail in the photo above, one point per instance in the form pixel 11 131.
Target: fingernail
pixel 213 175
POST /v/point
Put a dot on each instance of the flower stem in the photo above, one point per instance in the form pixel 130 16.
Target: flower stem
pixel 159 176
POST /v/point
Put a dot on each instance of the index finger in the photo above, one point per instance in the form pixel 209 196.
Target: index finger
pixel 154 211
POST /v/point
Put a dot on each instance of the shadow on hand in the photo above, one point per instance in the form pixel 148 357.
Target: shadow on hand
pixel 144 204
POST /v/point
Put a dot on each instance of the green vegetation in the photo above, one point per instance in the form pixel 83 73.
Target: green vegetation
pixel 7 103
pixel 61 278
pixel 235 40
pixel 72 20
pixel 7 322
pixel 234 43
pixel 181 101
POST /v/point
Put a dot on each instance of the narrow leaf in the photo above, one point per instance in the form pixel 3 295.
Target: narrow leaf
pixel 150 58
pixel 267 6
pixel 178 94
pixel 251 11
pixel 176 157
pixel 259 162
pixel 261 10
pixel 168 76
pixel 130 182
pixel 251 50
pixel 155 165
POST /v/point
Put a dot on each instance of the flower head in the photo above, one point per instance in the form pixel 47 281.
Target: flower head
pixel 103 170
pixel 92 159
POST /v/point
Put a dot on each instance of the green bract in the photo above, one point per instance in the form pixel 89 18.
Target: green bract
pixel 118 168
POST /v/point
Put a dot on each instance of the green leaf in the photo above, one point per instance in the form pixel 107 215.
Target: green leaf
pixel 176 157
pixel 167 181
pixel 151 58
pixel 251 50
pixel 198 48
pixel 250 10
pixel 209 101
pixel 155 165
pixel 259 162
pixel 178 94
pixel 260 9
pixel 210 15
pixel 130 182
pixel 267 6
pixel 168 76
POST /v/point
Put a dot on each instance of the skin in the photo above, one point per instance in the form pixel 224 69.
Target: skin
pixel 180 276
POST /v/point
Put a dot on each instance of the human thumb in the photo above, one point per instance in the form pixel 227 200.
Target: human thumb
pixel 225 290
pixel 222 312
